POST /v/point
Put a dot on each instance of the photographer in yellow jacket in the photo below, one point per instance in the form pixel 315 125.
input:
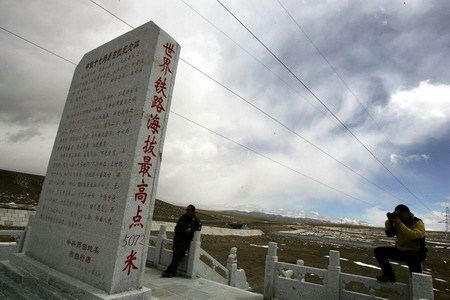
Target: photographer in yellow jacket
pixel 409 245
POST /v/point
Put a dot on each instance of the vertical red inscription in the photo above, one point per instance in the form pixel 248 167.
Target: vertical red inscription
pixel 129 262
pixel 149 146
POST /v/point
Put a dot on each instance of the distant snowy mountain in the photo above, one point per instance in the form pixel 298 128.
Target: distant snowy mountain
pixel 301 217
pixel 280 217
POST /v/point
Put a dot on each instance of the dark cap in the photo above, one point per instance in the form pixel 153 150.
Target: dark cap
pixel 402 208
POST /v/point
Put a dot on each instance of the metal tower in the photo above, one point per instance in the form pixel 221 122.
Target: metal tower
pixel 446 221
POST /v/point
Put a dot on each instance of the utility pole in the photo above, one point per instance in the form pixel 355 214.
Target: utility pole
pixel 446 221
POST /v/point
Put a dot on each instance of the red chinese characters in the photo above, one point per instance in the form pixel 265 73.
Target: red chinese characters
pixel 158 103
pixel 145 168
pixel 165 66
pixel 169 47
pixel 149 145
pixel 129 262
pixel 141 195
pixel 137 218
pixel 160 86
pixel 153 123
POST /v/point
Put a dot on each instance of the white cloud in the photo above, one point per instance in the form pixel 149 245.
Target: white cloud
pixel 375 216
pixel 415 115
pixel 433 220
pixel 445 203
pixel 398 158
pixel 199 167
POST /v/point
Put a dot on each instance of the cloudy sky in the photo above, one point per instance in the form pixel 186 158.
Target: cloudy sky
pixel 394 95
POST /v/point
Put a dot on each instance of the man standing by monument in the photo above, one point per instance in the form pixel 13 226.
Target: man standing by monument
pixel 409 245
pixel 186 226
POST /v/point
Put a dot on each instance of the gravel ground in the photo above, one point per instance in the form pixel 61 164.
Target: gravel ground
pixel 356 259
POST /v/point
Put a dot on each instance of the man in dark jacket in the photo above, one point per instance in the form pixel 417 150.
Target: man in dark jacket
pixel 187 224
pixel 409 245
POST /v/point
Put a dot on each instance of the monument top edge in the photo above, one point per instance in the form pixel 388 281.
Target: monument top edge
pixel 150 25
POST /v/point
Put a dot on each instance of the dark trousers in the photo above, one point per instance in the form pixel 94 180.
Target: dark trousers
pixel 413 259
pixel 179 251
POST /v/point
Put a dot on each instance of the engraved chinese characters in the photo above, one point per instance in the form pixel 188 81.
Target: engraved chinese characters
pixel 101 180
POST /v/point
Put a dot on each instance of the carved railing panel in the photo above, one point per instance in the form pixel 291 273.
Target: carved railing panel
pixel 213 264
pixel 355 285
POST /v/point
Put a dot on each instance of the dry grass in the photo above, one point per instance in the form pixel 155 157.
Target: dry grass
pixel 251 258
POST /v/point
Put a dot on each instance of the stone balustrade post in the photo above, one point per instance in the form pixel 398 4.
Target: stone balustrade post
pixel 26 236
pixel 194 256
pixel 232 266
pixel 20 239
pixel 300 262
pixel 159 245
pixel 333 276
pixel 271 259
pixel 421 286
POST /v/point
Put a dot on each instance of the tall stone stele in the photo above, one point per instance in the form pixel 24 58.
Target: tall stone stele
pixel 91 229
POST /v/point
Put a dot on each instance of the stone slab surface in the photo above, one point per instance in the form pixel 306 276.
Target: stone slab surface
pixel 178 288
pixel 39 282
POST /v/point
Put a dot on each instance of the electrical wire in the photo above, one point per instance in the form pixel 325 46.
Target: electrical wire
pixel 326 107
pixel 223 136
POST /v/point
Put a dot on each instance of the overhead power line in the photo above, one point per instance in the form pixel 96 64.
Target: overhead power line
pixel 225 137
pixel 109 12
pixel 258 108
pixel 271 159
pixel 340 77
pixel 325 106
pixel 262 111
pixel 36 45
pixel 333 68
pixel 295 90
pixel 289 129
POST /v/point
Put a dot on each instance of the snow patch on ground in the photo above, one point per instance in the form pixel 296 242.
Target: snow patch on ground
pixel 366 265
pixel 396 263
pixel 340 258
pixel 210 230
pixel 259 246
pixel 438 243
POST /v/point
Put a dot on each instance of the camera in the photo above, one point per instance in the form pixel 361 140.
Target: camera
pixel 391 215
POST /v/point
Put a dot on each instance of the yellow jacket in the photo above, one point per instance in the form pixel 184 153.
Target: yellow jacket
pixel 408 238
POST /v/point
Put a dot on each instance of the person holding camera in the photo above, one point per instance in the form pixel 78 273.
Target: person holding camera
pixel 409 245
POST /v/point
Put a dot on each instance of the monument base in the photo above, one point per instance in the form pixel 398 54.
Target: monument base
pixel 27 277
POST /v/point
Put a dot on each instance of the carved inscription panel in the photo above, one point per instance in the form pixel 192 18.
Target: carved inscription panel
pixel 93 210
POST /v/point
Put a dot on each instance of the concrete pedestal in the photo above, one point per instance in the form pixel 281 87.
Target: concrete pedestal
pixel 30 279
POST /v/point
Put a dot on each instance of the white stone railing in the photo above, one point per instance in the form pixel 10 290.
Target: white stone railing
pixel 288 281
pixel 7 248
pixel 15 216
pixel 198 263
pixel 210 268
pixel 237 277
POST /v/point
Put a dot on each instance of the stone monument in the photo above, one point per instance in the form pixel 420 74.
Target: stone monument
pixel 90 233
